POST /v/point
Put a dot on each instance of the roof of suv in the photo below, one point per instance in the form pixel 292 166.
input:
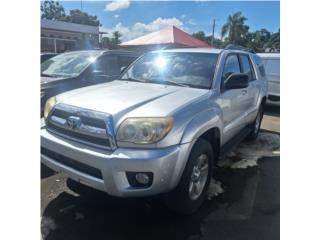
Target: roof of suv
pixel 117 51
pixel 202 50
pixel 198 50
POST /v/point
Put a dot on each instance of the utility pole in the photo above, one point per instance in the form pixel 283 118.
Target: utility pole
pixel 213 27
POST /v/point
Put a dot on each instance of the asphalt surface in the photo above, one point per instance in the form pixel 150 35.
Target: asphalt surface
pixel 249 207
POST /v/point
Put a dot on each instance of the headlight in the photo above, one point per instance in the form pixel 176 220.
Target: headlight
pixel 49 105
pixel 144 130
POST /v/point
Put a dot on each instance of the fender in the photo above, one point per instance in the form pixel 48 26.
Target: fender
pixel 201 123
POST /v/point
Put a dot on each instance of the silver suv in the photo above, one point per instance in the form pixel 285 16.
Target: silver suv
pixel 161 128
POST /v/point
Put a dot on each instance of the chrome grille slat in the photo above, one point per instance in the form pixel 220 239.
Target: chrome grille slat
pixel 83 128
pixel 94 128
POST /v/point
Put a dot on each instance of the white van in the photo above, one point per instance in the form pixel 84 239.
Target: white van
pixel 271 63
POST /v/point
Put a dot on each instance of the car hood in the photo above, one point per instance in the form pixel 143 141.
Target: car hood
pixel 125 99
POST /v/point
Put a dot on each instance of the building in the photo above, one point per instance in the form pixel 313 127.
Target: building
pixel 58 36
pixel 170 37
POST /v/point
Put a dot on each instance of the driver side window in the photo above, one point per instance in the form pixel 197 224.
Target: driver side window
pixel 231 66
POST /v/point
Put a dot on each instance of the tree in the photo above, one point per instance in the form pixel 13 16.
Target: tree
pixel 274 41
pixel 116 37
pixel 52 10
pixel 111 42
pixel 77 16
pixel 235 29
pixel 200 35
pixel 258 40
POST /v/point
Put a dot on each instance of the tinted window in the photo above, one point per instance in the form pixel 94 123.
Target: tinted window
pixel 125 61
pixel 107 65
pixel 247 67
pixel 259 63
pixel 184 68
pixel 231 66
pixel 262 71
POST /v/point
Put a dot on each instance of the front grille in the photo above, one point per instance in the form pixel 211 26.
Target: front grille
pixel 85 126
pixel 72 163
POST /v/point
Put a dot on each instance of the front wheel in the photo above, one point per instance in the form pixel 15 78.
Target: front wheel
pixel 191 191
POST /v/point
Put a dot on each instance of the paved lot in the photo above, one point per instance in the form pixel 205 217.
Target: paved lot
pixel 248 208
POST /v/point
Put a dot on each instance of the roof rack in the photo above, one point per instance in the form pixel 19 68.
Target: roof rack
pixel 237 47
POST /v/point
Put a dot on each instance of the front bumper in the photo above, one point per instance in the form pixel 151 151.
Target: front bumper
pixel 166 164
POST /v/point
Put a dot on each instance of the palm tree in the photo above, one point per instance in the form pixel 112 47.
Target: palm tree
pixel 116 36
pixel 235 29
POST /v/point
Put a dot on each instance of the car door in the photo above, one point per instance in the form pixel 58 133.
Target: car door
pixel 253 89
pixel 233 101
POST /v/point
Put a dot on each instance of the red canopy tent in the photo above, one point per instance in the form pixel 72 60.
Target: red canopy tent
pixel 171 36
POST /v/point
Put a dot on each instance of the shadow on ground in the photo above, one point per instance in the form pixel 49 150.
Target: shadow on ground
pixel 248 209
pixel 45 171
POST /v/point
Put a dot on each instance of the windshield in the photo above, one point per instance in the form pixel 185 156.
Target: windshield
pixel 68 64
pixel 177 68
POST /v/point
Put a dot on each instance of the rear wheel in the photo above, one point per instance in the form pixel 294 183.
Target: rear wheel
pixel 190 193
pixel 256 125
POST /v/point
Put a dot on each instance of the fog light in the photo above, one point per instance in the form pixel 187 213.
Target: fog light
pixel 142 178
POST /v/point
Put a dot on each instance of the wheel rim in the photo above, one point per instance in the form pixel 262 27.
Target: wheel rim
pixel 199 177
pixel 257 123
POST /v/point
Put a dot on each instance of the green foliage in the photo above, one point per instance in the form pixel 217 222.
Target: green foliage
pixel 201 36
pixel 77 16
pixel 52 10
pixel 274 41
pixel 235 31
pixel 111 42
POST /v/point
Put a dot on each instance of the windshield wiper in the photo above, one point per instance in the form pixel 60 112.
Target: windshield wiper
pixel 46 75
pixel 172 83
pixel 133 79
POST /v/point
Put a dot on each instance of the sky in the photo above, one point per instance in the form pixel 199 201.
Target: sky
pixel 136 18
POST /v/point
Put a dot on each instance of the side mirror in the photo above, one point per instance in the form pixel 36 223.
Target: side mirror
pixel 237 81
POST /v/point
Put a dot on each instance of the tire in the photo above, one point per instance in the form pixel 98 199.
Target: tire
pixel 182 199
pixel 256 126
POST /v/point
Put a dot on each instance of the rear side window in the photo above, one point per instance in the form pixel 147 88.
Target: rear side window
pixel 231 66
pixel 259 63
pixel 247 67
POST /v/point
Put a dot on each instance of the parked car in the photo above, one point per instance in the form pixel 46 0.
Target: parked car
pixel 46 55
pixel 271 63
pixel 159 129
pixel 78 69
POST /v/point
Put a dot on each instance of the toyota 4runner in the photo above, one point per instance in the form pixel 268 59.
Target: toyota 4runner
pixel 161 127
